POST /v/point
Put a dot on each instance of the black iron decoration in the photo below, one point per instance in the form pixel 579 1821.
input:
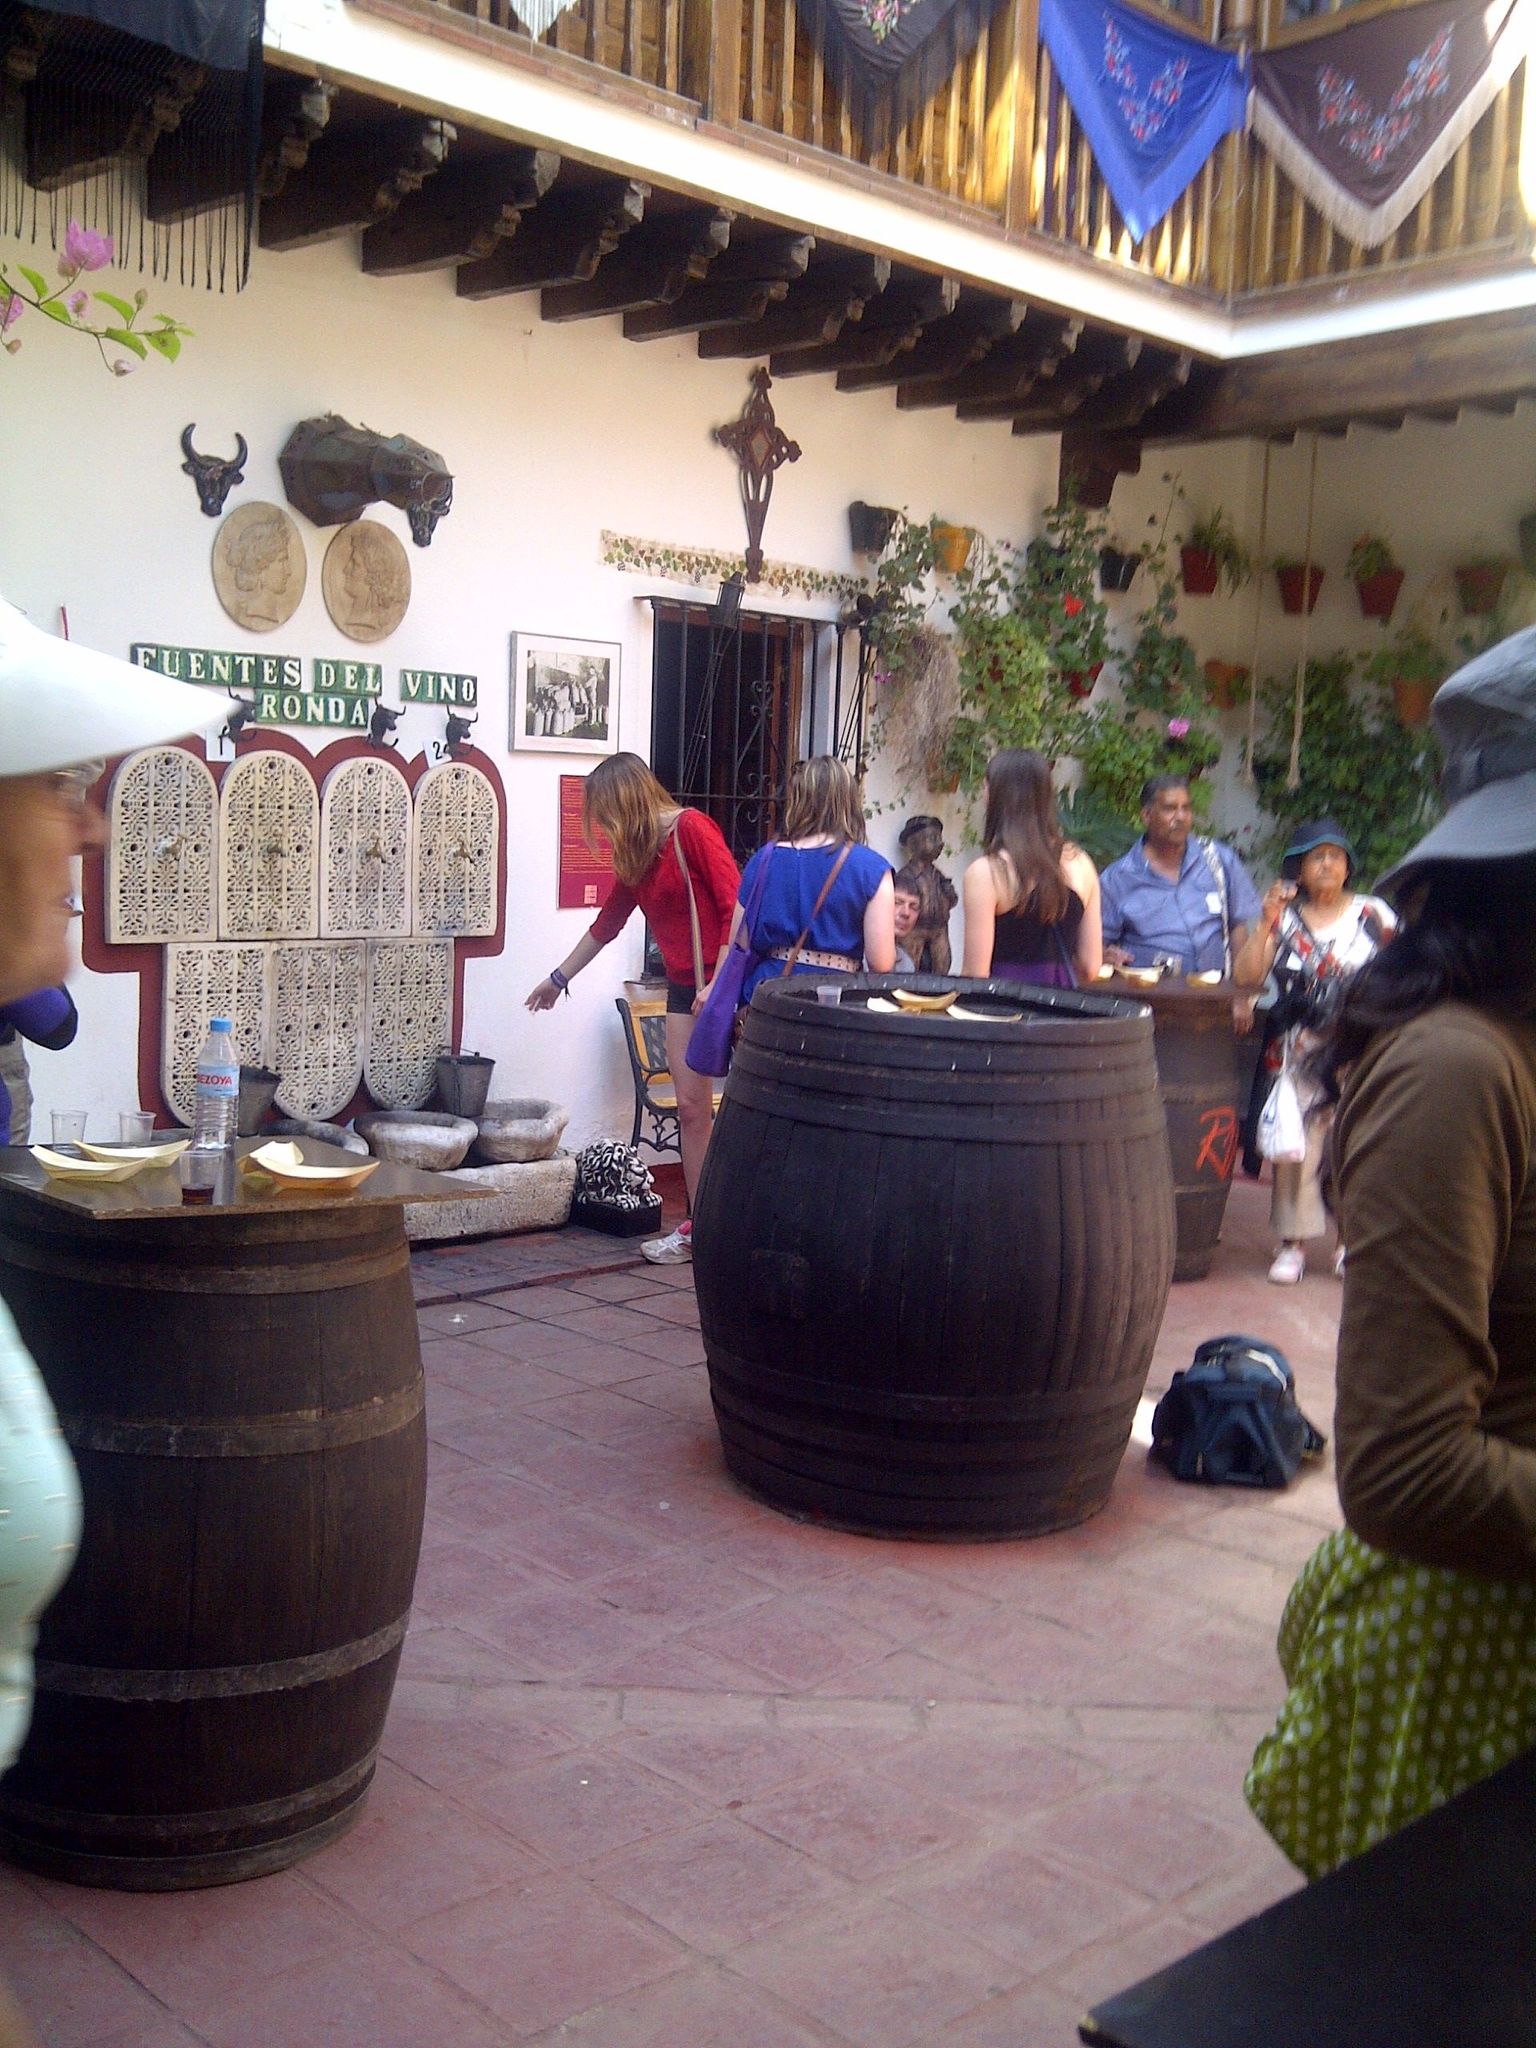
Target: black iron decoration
pixel 214 475
pixel 761 448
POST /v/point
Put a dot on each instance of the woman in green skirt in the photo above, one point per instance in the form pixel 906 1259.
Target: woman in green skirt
pixel 1409 1641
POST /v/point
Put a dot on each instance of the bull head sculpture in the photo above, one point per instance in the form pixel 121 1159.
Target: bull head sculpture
pixel 214 475
pixel 332 472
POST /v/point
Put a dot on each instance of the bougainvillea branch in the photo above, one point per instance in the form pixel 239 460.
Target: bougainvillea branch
pixel 68 304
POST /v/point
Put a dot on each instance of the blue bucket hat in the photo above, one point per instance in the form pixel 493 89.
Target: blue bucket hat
pixel 1308 838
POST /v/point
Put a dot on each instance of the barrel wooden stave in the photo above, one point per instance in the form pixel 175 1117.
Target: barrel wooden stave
pixel 245 1407
pixel 880 1356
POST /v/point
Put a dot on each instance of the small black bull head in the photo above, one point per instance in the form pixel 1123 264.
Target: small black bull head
pixel 214 475
pixel 381 726
pixel 455 737
pixel 333 471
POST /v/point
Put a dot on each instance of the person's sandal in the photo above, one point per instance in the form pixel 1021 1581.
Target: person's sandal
pixel 1290 1263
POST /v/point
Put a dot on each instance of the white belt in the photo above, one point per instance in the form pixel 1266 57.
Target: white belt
pixel 844 963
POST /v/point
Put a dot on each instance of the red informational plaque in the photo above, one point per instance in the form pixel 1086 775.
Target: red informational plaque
pixel 585 876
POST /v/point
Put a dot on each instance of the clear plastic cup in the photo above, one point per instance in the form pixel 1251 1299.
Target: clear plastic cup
pixel 830 993
pixel 68 1126
pixel 198 1172
pixel 136 1126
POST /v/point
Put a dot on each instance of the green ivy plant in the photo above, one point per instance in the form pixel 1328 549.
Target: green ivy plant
pixel 1056 588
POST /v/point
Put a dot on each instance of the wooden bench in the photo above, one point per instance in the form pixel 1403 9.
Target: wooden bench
pixel 1426 1941
pixel 645 1040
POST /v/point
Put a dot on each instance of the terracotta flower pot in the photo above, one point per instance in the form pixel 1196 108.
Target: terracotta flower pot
pixel 1080 681
pixel 952 544
pixel 1201 571
pixel 1222 682
pixel 1480 586
pixel 1378 593
pixel 1412 697
pixel 1299 587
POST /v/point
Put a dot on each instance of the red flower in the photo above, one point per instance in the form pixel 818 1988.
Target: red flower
pixel 1071 605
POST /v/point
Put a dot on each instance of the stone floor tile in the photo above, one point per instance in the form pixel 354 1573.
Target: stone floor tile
pixel 162 2033
pixel 545 1303
pixel 372 1998
pixel 671 1346
pixel 1139 1836
pixel 1000 1775
pixel 1264 1876
pixel 725 1765
pixel 790 1640
pixel 573 1544
pixel 451 1657
pixel 881 1976
pixel 611 1323
pixel 501 1440
pixel 1025 1908
pixel 905 1606
pixel 562 1633
pixel 451 1742
pixel 1101 1968
pixel 634 1285
pixel 860 1824
pixel 675 1306
pixel 73 1993
pixel 679 1587
pixel 457 1580
pixel 772 1547
pixel 1040 2015
pixel 573 1809
pixel 459 1318
pixel 603 1413
pixel 440 1355
pixel 503 1384
pixel 719 1885
pixel 544 1951
pixel 699 2008
pixel 686 1667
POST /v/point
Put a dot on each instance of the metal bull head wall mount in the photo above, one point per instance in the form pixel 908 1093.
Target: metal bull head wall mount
pixel 333 471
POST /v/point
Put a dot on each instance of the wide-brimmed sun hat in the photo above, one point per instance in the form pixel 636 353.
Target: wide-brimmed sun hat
pixel 1485 720
pixel 1308 838
pixel 61 703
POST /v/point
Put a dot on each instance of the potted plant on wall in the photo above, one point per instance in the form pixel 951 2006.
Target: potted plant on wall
pixel 1211 553
pixel 951 546
pixel 1224 682
pixel 1299 585
pixel 1412 666
pixel 1480 583
pixel 1057 595
pixel 1374 571
pixel 1117 567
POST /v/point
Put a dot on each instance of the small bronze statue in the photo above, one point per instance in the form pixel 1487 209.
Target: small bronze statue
pixel 922 841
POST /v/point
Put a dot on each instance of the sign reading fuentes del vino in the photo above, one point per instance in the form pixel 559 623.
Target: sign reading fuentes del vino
pixel 338 700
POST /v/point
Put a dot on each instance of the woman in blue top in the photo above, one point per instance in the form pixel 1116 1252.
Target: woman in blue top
pixel 856 923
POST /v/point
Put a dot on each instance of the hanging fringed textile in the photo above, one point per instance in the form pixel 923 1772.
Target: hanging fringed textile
pixel 888 58
pixel 538 17
pixel 1364 120
pixel 1153 102
pixel 142 120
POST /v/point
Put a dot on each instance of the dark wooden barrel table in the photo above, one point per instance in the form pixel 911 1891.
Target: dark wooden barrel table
pixel 241 1388
pixel 1197 1071
pixel 932 1256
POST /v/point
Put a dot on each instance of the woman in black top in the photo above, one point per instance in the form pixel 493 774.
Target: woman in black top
pixel 1032 900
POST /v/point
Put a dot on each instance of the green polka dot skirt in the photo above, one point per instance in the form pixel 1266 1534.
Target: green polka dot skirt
pixel 1407 1685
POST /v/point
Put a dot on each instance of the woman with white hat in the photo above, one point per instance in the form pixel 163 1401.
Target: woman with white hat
pixel 63 708
pixel 1410 1638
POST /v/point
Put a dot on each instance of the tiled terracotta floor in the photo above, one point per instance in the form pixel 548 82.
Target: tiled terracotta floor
pixel 666 1770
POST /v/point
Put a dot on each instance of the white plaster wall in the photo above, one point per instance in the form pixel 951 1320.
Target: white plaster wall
pixel 552 432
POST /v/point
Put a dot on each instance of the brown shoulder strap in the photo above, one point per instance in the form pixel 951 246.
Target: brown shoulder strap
pixel 693 908
pixel 826 890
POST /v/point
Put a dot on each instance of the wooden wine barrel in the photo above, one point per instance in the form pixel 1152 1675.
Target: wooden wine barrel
pixel 1197 1071
pixel 242 1392
pixel 932 1256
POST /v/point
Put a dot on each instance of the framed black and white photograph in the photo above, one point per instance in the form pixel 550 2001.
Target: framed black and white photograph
pixel 565 695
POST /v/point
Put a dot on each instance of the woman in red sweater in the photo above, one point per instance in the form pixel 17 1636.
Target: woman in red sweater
pixel 662 855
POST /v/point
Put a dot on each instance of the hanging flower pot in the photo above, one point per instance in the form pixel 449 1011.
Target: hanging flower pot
pixel 1412 697
pixel 952 545
pixel 1200 569
pixel 1299 586
pixel 1223 680
pixel 1528 543
pixel 870 527
pixel 1080 681
pixel 1480 585
pixel 1378 593
pixel 1117 571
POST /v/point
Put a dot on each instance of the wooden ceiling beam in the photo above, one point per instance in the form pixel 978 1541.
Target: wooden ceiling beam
pixel 654 267
pixel 748 279
pixel 1006 373
pixel 1445 365
pixel 1122 401
pixel 181 180
pixel 561 242
pixel 467 211
pixel 813 312
pixel 889 326
pixel 1090 463
pixel 347 185
pixel 947 345
pixel 107 125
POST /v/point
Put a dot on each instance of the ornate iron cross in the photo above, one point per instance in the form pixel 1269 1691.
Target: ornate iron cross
pixel 760 447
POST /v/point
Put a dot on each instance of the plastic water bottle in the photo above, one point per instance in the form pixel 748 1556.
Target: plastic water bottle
pixel 218 1090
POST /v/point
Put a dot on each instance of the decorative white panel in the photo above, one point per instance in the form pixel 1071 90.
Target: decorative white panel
pixel 160 853
pixel 365 836
pixel 410 1019
pixel 203 982
pixel 269 830
pixel 315 1041
pixel 458 839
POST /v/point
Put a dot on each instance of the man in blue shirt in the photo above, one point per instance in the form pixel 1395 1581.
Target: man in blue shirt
pixel 1172 896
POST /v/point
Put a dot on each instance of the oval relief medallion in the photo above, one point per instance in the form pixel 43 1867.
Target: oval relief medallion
pixel 366 580
pixel 258 567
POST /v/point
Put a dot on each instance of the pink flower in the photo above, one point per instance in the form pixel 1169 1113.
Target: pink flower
pixel 1178 728
pixel 14 307
pixel 1071 605
pixel 78 301
pixel 84 249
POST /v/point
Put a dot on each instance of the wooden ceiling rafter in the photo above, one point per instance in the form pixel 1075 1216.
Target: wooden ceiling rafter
pixel 1008 371
pixel 749 278
pixel 947 345
pixel 813 313
pixel 349 183
pixel 467 211
pixel 653 266
pixel 889 327
pixel 563 240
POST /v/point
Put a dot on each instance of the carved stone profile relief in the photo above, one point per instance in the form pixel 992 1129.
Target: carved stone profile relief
pixel 366 580
pixel 258 567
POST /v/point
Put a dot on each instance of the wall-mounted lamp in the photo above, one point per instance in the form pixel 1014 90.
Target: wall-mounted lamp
pixel 726 609
pixel 455 736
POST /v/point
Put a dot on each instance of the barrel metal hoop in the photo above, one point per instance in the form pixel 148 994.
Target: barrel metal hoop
pixel 1076 1403
pixel 262 1437
pixel 313 1277
pixel 220 1681
pixel 179 1827
pixel 954 1123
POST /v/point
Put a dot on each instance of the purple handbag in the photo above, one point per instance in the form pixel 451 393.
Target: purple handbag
pixel 713 1038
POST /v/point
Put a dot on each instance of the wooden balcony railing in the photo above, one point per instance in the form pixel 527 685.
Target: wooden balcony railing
pixel 1000 141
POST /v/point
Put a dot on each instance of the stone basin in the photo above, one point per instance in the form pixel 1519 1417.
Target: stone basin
pixel 323 1133
pixel 428 1138
pixel 521 1129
